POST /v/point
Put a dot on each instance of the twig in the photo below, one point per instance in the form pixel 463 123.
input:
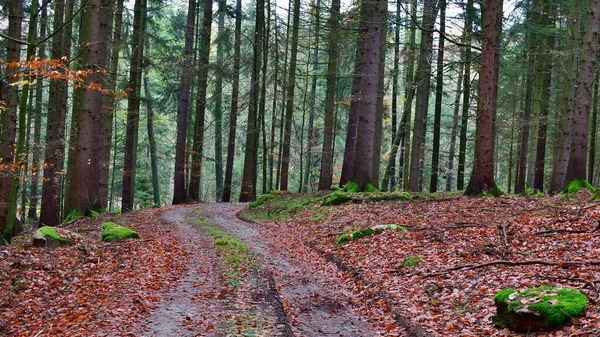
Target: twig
pixel 503 231
pixel 515 263
pixel 39 333
pixel 550 231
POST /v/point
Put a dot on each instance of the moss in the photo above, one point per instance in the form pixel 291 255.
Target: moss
pixel 596 195
pixel 94 214
pixel 370 188
pixel 53 234
pixel 539 194
pixel 527 192
pixel 576 186
pixel 411 261
pixel 336 198
pixel 351 187
pixel 262 200
pixel 112 231
pixel 74 215
pixel 364 232
pixel 556 306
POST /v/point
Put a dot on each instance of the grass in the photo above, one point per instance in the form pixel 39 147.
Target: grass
pixel 249 324
pixel 237 258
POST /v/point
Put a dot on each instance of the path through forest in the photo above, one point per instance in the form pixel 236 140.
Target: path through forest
pixel 279 297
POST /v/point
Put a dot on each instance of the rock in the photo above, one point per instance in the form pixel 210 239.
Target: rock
pixel 47 236
pixel 112 231
pixel 541 308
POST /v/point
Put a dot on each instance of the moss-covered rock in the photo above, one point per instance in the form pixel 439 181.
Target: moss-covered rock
pixel 47 236
pixel 541 308
pixel 112 231
pixel 364 232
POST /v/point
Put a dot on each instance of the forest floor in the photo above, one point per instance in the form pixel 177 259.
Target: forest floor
pixel 201 271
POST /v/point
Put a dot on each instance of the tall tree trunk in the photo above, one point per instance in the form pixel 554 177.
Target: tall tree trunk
pixel 151 138
pixel 133 106
pixel 198 142
pixel 311 132
pixel 454 132
pixel 37 128
pixel 289 109
pixel 221 34
pixel 462 146
pixel 274 109
pixel 234 103
pixel 325 178
pixel 482 177
pixel 251 132
pixel 531 55
pixel 83 172
pixel 390 171
pixel 109 115
pixel 439 92
pixel 375 16
pixel 54 153
pixel 378 137
pixel 179 191
pixel 593 131
pixel 577 167
pixel 423 89
pixel 262 104
pixel 545 77
pixel 9 119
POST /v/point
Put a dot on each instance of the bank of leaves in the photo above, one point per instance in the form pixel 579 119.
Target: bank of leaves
pixel 452 232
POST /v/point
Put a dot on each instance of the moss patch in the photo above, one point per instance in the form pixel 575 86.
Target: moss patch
pixel 73 216
pixel 554 305
pixel 577 185
pixel 112 231
pixel 364 232
pixel 50 237
pixel 411 261
pixel 276 205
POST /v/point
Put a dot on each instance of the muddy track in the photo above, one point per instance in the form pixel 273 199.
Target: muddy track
pixel 288 300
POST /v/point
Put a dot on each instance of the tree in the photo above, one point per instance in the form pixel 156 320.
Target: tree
pixel 179 191
pixel 423 87
pixel 439 90
pixel 290 90
pixel 462 142
pixel 482 176
pixel 325 178
pixel 9 120
pixel 250 159
pixel 375 17
pixel 234 103
pixel 198 142
pixel 221 35
pixel 133 105
pixel 83 170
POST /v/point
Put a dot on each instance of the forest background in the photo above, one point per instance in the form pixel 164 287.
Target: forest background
pixel 114 106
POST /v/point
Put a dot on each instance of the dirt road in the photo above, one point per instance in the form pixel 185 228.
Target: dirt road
pixel 279 297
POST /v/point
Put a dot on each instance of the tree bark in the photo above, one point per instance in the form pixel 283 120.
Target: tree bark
pixel 439 91
pixel 218 113
pixel 234 104
pixel 133 106
pixel 179 191
pixel 462 146
pixel 325 178
pixel 482 177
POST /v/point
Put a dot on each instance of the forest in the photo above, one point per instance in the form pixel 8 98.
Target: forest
pixel 440 151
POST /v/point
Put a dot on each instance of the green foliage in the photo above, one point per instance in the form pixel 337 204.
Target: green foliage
pixel 19 285
pixel 539 194
pixel 351 187
pixel 411 261
pixel 340 197
pixel 94 214
pixel 364 232
pixel 527 192
pixel 112 231
pixel 262 200
pixel 51 233
pixel 73 216
pixel 556 306
pixel 277 205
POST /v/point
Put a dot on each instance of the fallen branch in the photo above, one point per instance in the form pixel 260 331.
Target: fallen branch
pixel 503 228
pixel 551 231
pixel 515 263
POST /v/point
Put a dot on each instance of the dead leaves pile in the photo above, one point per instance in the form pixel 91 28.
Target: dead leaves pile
pixel 90 288
pixel 446 233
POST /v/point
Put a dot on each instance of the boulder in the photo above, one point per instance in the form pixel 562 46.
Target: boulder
pixel 47 236
pixel 541 308
pixel 112 231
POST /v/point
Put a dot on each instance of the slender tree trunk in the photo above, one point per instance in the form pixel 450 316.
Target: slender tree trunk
pixel 283 95
pixel 133 106
pixel 37 128
pixel 375 16
pixel 54 153
pixel 378 137
pixel 390 171
pixel 312 137
pixel 218 113
pixel 262 104
pixel 289 110
pixel 409 90
pixel 325 178
pixel 545 72
pixel 234 103
pixel 462 146
pixel 151 139
pixel 422 96
pixel 439 91
pixel 199 121
pixel 593 130
pixel 482 177
pixel 274 110
pixel 251 132
pixel 454 132
pixel 179 192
